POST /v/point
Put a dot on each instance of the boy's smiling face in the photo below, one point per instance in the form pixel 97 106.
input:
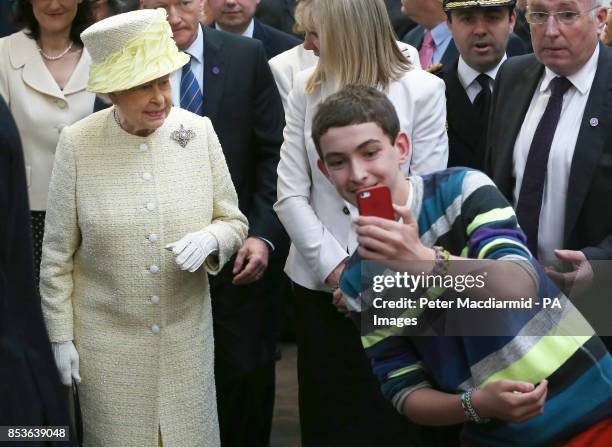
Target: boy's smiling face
pixel 360 156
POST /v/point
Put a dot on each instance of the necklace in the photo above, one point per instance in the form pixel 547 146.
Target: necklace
pixel 54 58
pixel 117 120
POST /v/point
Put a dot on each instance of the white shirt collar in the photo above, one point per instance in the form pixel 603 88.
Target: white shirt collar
pixel 581 80
pixel 247 32
pixel 196 49
pixel 467 75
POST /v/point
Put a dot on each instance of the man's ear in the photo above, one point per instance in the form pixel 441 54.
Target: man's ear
pixel 600 19
pixel 512 21
pixel 402 144
pixel 322 167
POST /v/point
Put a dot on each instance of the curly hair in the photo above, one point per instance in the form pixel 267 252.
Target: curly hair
pixel 23 16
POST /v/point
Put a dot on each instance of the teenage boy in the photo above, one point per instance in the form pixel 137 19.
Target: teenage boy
pixel 537 390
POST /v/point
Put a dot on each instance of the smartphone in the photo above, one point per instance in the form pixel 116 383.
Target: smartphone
pixel 376 201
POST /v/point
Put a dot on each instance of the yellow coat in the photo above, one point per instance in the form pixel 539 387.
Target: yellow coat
pixel 40 109
pixel 142 327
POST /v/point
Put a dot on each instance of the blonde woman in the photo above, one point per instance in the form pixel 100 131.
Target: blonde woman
pixel 339 402
pixel 141 208
pixel 288 64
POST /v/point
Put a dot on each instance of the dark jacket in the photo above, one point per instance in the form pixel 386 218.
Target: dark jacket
pixel 274 41
pixel 29 382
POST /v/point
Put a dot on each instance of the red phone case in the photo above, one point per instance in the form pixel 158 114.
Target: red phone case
pixel 376 201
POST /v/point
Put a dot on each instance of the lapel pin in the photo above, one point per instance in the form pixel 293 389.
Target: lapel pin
pixel 216 70
pixel 593 122
pixel 182 136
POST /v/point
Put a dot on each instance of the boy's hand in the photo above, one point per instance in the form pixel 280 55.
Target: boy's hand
pixel 510 400
pixel 383 239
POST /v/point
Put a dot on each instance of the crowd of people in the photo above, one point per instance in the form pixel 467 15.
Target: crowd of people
pixel 179 185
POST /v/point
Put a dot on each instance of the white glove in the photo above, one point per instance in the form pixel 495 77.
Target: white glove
pixel 192 250
pixel 67 361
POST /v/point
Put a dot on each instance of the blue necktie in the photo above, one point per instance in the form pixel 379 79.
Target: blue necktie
pixel 191 94
pixel 532 188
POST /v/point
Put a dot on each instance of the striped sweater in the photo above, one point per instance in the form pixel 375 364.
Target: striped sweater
pixel 464 212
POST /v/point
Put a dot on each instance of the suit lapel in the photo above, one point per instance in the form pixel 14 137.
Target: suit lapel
pixel 450 55
pixel 23 53
pixel 80 75
pixel 415 37
pixel 591 138
pixel 259 33
pixel 510 121
pixel 214 71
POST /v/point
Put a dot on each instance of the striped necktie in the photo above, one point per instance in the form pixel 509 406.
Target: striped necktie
pixel 191 94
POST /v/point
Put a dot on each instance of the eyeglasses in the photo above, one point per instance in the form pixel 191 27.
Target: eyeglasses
pixel 562 17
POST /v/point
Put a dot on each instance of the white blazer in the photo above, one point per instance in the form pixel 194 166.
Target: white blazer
pixel 40 109
pixel 286 65
pixel 313 213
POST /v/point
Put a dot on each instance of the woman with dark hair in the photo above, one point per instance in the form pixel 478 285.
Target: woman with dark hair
pixel 43 76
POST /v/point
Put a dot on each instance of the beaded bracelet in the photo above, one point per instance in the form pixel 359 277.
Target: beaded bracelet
pixel 468 408
pixel 442 260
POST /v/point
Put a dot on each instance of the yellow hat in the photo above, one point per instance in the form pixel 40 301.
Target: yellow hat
pixel 131 49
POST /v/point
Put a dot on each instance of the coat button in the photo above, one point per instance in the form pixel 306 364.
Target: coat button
pixel 147 176
pixel 153 268
pixel 346 211
pixel 144 147
pixel 150 206
pixel 155 299
pixel 61 103
pixel 153 237
pixel 155 329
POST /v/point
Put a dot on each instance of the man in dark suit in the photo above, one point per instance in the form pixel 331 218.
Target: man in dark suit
pixel 237 17
pixel 481 35
pixel 549 146
pixel 29 383
pixel 433 38
pixel 236 90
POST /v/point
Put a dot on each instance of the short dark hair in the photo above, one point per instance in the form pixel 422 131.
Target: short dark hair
pixel 23 16
pixel 355 104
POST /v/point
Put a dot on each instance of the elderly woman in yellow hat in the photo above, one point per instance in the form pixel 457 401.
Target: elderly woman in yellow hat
pixel 141 208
